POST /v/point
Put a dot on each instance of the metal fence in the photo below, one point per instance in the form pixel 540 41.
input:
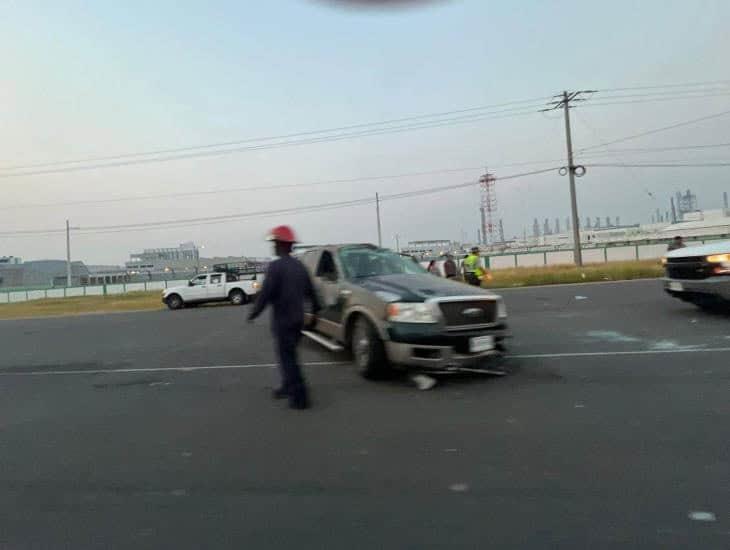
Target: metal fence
pixel 24 295
pixel 610 252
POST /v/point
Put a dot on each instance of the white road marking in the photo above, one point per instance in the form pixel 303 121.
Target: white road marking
pixel 336 363
pixel 701 516
pixel 611 336
pixel 164 369
pixel 459 487
pixel 609 353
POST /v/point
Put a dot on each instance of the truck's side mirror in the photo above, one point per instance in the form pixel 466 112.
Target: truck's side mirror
pixel 190 283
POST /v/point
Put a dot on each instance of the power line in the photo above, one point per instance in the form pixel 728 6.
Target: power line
pixel 208 220
pixel 659 149
pixel 661 86
pixel 339 137
pixel 654 100
pixel 663 165
pixel 655 131
pixel 268 187
pixel 173 150
pixel 662 93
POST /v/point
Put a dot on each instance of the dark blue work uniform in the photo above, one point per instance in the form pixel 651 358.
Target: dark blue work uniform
pixel 286 287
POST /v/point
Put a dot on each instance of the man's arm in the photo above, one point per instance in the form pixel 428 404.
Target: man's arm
pixel 264 297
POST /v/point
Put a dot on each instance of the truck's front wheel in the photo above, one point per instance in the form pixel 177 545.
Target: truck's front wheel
pixel 174 301
pixel 237 297
pixel 368 351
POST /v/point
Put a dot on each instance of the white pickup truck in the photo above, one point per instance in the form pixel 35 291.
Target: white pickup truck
pixel 214 287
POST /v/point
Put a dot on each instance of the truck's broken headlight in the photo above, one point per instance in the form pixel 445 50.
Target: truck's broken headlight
pixel 405 312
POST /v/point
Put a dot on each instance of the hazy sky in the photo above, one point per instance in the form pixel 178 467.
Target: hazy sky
pixel 82 79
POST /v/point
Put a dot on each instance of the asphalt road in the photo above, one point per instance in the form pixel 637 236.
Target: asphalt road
pixel 155 430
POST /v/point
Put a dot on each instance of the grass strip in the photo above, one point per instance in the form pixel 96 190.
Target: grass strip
pixel 562 274
pixel 52 307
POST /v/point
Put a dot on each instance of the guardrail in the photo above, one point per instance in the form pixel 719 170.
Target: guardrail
pixel 14 296
pixel 608 252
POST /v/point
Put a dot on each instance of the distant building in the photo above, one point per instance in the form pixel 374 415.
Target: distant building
pixel 42 274
pixel 432 247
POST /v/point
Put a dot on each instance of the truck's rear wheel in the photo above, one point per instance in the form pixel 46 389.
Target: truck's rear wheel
pixel 237 297
pixel 368 351
pixel 174 301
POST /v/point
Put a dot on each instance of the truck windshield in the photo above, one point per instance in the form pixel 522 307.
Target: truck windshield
pixel 372 262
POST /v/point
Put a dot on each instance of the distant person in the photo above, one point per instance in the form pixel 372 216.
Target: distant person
pixel 450 270
pixel 433 268
pixel 472 267
pixel 286 286
pixel 676 244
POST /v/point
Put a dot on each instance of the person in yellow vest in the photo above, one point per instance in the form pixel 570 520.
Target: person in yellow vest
pixel 473 271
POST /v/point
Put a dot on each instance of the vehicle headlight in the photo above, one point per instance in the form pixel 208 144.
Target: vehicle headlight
pixel 255 285
pixel 718 258
pixel 405 312
pixel 664 261
pixel 501 309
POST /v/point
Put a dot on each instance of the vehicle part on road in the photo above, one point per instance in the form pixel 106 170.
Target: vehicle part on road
pixel 367 349
pixel 237 297
pixel 174 301
pixel 423 382
pixel 322 341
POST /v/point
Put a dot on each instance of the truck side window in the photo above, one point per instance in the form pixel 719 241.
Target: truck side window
pixel 199 280
pixel 326 268
pixel 215 279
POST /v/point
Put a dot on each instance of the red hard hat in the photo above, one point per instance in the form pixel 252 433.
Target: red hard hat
pixel 282 233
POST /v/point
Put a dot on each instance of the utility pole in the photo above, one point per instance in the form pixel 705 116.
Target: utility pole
pixel 377 212
pixel 572 170
pixel 68 254
pixel 397 243
pixel 577 254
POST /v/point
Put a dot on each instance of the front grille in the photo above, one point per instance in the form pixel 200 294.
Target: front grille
pixel 469 313
pixel 694 267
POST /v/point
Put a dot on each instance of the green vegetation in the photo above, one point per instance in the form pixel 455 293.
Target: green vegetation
pixel 561 274
pixel 132 301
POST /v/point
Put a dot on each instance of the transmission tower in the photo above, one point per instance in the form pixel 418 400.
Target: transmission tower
pixel 488 207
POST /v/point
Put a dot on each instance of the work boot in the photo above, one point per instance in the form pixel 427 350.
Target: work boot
pixel 299 402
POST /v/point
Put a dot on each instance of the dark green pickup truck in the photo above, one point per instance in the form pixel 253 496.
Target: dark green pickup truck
pixel 390 312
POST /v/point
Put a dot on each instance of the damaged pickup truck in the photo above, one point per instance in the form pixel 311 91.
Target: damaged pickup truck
pixel 391 313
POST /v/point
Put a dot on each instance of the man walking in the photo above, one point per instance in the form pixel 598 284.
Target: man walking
pixel 286 286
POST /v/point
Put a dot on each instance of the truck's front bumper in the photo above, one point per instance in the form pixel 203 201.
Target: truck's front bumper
pixel 691 290
pixel 448 353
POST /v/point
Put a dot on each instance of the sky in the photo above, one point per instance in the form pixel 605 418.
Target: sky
pixel 87 79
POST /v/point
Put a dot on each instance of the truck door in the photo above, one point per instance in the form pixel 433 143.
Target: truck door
pixel 216 288
pixel 198 289
pixel 328 282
